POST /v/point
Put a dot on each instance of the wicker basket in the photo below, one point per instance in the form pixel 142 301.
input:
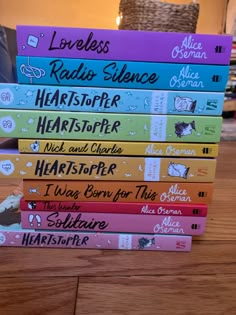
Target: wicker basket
pixel 155 15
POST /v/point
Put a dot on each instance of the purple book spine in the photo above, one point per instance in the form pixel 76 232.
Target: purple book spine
pixel 95 240
pixel 123 45
pixel 109 222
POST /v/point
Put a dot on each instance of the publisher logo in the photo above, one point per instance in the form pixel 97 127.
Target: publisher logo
pixel 216 78
pixel 219 49
pixel 7 124
pixel 180 244
pixel 6 167
pixel 6 96
pixel 2 239
pixel 202 194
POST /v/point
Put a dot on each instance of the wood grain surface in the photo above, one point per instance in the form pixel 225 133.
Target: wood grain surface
pixel 162 295
pixel 78 281
pixel 54 296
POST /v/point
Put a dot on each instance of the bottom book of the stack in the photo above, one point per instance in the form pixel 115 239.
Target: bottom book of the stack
pixel 12 234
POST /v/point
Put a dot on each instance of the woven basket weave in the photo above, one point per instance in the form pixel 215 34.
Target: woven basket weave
pixel 155 15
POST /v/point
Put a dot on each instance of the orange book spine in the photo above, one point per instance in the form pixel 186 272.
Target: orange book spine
pixel 117 191
pixel 60 167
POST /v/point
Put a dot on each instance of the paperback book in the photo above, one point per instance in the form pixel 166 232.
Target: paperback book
pixel 117 191
pixel 107 100
pixel 119 127
pixel 141 208
pixel 121 74
pixel 118 148
pixel 86 167
pixel 93 240
pixel 112 222
pixel 91 43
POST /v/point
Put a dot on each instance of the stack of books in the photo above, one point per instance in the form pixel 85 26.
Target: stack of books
pixel 118 136
pixel 233 50
pixel 230 93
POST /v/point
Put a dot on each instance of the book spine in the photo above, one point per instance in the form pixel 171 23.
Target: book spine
pixel 110 222
pixel 117 148
pixel 117 191
pixel 107 44
pixel 121 74
pixel 78 99
pixel 118 127
pixel 92 240
pixel 36 166
pixel 195 210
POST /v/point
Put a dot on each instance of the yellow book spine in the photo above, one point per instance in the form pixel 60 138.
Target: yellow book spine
pixel 118 148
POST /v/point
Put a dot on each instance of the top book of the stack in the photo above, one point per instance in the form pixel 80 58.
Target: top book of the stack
pixel 66 42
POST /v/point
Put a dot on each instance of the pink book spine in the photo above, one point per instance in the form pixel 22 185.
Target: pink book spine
pixel 95 240
pixel 196 210
pixel 109 222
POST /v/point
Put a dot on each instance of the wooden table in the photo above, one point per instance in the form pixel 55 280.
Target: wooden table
pixel 229 105
pixel 65 282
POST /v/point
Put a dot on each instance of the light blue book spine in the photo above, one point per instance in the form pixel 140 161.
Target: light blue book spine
pixel 107 100
pixel 121 74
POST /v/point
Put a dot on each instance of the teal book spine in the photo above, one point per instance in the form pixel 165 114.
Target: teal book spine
pixel 108 100
pixel 98 126
pixel 121 74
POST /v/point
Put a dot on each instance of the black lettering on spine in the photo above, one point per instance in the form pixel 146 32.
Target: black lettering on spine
pixel 79 44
